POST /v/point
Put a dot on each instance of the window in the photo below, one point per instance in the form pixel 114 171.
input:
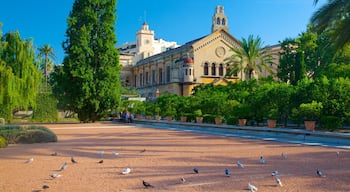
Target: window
pixel 146 76
pixel 190 71
pixel 206 69
pixel 168 73
pixel 141 80
pixel 218 21
pixel 221 70
pixel 223 21
pixel 153 77
pixel 135 80
pixel 186 72
pixel 160 75
pixel 213 69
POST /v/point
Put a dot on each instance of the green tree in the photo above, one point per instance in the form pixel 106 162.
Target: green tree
pixel 298 58
pixel 48 53
pixel 19 74
pixel 88 82
pixel 334 16
pixel 249 58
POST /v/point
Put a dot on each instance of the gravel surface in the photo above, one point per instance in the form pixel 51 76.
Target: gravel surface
pixel 162 158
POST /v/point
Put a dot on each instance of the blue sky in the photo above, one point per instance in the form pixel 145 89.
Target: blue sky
pixel 173 20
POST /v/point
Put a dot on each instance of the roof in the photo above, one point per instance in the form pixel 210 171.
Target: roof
pixel 184 47
pixel 170 52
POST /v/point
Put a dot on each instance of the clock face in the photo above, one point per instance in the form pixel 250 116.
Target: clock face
pixel 146 41
pixel 220 51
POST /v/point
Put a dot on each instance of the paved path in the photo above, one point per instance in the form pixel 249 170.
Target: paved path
pixel 286 135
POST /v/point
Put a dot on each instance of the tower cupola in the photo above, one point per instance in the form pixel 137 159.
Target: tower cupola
pixel 219 20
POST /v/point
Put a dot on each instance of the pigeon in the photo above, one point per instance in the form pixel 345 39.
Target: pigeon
pixel 45 187
pixel 146 184
pixel 274 173
pixel 115 153
pixel 101 153
pixel 284 156
pixel 64 166
pixel 319 173
pixel 262 160
pixel 144 150
pixel 227 172
pixel 54 154
pixel 101 161
pixel 195 170
pixel 278 181
pixel 338 153
pixel 55 175
pixel 183 180
pixel 73 160
pixel 252 188
pixel 29 160
pixel 240 165
pixel 126 171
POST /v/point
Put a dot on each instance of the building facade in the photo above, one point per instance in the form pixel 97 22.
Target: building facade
pixel 178 69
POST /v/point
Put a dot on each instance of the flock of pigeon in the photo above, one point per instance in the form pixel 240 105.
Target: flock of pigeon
pixel 127 170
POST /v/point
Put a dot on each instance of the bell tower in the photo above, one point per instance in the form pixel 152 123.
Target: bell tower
pixel 219 19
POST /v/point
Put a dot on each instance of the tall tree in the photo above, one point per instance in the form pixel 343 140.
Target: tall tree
pixel 48 53
pixel 334 16
pixel 19 74
pixel 249 58
pixel 88 82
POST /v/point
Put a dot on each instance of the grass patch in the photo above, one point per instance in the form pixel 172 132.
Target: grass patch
pixel 27 134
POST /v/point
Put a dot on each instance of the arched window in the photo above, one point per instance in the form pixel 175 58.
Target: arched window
pixel 221 70
pixel 186 72
pixel 213 69
pixel 223 21
pixel 218 21
pixel 206 69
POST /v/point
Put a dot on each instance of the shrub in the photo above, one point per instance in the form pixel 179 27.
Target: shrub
pixel 330 123
pixel 3 142
pixel 31 134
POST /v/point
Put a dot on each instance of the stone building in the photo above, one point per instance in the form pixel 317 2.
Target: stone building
pixel 178 69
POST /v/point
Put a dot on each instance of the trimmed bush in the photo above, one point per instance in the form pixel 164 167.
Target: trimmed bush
pixel 330 123
pixel 3 142
pixel 30 134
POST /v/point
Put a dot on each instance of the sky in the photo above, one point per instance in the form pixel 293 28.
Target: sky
pixel 45 22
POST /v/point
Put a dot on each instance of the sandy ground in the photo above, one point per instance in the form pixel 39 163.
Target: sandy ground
pixel 162 157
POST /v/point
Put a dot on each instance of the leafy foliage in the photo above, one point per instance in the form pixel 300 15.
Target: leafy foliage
pixel 88 81
pixel 334 17
pixel 19 74
pixel 46 108
pixel 250 58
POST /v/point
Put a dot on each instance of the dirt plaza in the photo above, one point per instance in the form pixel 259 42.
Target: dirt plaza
pixel 162 158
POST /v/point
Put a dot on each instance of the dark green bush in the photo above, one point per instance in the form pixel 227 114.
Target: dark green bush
pixel 3 142
pixel 30 134
pixel 330 123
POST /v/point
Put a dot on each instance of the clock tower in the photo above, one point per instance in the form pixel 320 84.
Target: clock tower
pixel 144 41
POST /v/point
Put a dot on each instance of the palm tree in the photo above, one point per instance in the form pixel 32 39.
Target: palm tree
pixel 48 53
pixel 249 58
pixel 334 16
